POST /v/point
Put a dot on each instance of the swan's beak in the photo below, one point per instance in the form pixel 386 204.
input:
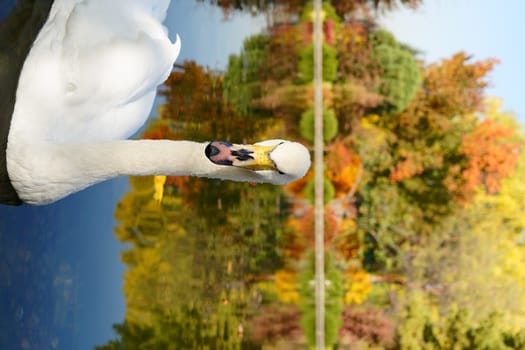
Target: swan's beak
pixel 253 157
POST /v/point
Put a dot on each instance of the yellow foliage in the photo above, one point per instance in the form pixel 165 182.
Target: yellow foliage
pixel 286 287
pixel 158 183
pixel 369 121
pixel 492 242
pixel 358 286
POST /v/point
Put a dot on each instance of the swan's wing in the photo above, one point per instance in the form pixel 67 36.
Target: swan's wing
pixel 93 70
pixel 110 57
pixel 108 60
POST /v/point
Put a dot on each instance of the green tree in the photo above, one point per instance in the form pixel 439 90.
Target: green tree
pixel 333 300
pixel 242 78
pixel 306 64
pixel 400 76
pixel 306 125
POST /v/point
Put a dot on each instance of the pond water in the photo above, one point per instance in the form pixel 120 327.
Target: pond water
pixel 61 275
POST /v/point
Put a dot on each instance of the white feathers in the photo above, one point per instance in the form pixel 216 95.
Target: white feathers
pixel 88 82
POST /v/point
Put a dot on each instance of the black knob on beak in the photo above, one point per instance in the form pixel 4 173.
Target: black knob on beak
pixel 211 150
pixel 218 153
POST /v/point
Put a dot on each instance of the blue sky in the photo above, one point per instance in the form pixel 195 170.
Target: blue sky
pixel 206 36
pixel 483 28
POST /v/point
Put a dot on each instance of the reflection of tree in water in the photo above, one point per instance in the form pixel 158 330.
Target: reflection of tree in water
pixel 189 285
pixel 195 255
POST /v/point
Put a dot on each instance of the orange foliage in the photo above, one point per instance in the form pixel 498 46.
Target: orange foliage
pixel 340 234
pixel 296 188
pixel 187 187
pixel 342 167
pixel 492 156
pixel 187 90
pixel 159 132
pixel 294 243
pixel 406 168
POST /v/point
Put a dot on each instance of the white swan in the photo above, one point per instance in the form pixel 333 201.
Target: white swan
pixel 88 83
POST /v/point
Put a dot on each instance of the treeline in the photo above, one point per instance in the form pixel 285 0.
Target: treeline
pixel 423 190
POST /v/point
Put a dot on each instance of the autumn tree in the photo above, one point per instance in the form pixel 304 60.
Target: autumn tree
pixel 342 6
pixel 415 160
pixel 469 269
pixel 195 108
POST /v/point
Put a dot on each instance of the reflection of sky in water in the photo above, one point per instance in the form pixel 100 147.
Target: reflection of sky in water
pixel 69 239
pixel 5 7
pixel 60 270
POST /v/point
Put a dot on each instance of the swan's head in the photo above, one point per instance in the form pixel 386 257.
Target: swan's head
pixel 276 161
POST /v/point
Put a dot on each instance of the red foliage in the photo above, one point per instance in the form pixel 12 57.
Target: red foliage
pixel 369 324
pixel 328 31
pixel 276 322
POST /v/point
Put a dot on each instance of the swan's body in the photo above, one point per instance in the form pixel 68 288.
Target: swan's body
pixel 93 70
pixel 88 82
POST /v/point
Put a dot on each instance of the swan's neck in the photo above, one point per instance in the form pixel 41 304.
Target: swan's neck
pixel 47 172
